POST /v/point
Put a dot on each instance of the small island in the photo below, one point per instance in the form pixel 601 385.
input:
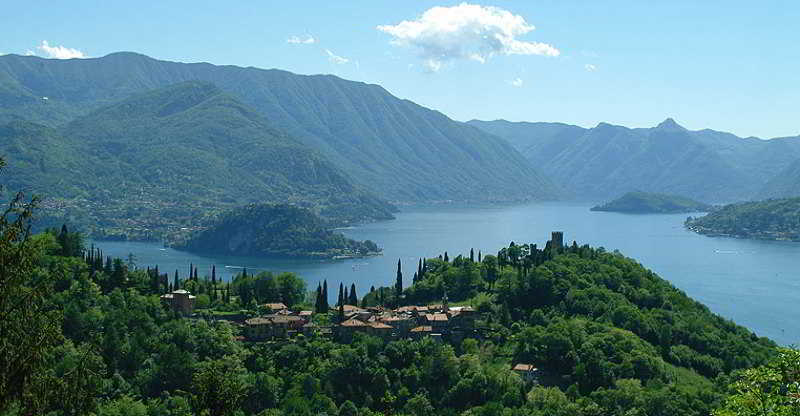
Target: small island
pixel 650 203
pixel 274 230
pixel 773 219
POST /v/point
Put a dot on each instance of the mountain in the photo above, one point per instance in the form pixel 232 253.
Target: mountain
pixel 166 156
pixel 785 184
pixel 773 219
pixel 393 147
pixel 648 203
pixel 608 160
pixel 273 231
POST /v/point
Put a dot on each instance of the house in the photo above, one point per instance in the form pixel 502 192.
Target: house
pixel 275 307
pixel 305 315
pixel 380 330
pixel 439 321
pixel 310 329
pixel 528 372
pixel 180 301
pixel 421 332
pixel 346 329
pixel 258 329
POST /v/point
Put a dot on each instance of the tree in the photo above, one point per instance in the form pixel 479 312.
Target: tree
pixel 218 387
pixel 398 286
pixel 471 254
pixel 446 259
pixel 353 296
pixel 176 281
pixel 213 282
pixel 325 305
pixel 29 327
pixel 770 390
pixel 346 296
pixel 341 295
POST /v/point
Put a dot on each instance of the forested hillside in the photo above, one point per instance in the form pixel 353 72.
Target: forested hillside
pixel 649 203
pixel 773 219
pixel 786 184
pixel 395 148
pixel 606 161
pixel 159 161
pixel 274 231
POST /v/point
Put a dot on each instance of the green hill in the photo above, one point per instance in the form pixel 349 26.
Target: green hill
pixel 397 149
pixel 648 203
pixel 151 164
pixel 273 231
pixel 772 219
pixel 606 161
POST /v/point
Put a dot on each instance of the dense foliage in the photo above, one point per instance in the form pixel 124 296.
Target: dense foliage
pixel 773 219
pixel 274 231
pixel 649 203
pixel 155 163
pixel 606 161
pixel 769 390
pixel 610 337
pixel 786 184
pixel 395 148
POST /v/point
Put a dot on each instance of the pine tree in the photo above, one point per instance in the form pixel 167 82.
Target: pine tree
pixel 353 296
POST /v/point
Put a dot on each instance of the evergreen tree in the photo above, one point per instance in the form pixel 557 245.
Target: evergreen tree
pixel 419 271
pixel 471 254
pixel 109 266
pixel 318 301
pixel 346 297
pixel 244 272
pixel 341 312
pixel 480 257
pixel 446 259
pixel 341 295
pixel 398 286
pixel 195 274
pixel 325 305
pixel 371 289
pixel 175 281
pixel 213 282
pixel 191 271
pixel 353 296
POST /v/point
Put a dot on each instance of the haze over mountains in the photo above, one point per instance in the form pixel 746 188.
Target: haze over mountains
pixel 607 161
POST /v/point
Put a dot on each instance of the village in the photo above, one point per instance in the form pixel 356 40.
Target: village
pixel 441 322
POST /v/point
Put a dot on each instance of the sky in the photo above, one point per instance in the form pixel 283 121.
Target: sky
pixel 726 65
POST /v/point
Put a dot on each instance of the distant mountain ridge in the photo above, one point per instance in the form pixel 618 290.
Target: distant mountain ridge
pixel 607 160
pixel 397 149
pixel 786 184
pixel 648 203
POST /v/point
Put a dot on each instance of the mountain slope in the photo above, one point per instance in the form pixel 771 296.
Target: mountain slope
pixel 605 161
pixel 175 153
pixel 647 203
pixel 400 150
pixel 786 184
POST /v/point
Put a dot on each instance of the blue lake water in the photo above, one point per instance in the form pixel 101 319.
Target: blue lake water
pixel 755 283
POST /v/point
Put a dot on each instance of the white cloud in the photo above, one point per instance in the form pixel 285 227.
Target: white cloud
pixel 297 40
pixel 466 31
pixel 335 58
pixel 590 67
pixel 30 53
pixel 516 82
pixel 59 52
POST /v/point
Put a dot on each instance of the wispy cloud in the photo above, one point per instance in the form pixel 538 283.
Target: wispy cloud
pixel 59 52
pixel 336 58
pixel 590 67
pixel 516 82
pixel 297 40
pixel 466 31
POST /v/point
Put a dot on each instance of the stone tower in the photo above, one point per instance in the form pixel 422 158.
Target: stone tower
pixel 557 240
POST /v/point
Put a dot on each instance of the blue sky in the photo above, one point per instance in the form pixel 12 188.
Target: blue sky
pixel 727 65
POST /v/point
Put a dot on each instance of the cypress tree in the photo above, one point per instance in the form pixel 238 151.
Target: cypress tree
pixel 353 296
pixel 195 274
pixel 419 269
pixel 341 295
pixel 371 289
pixel 325 305
pixel 471 254
pixel 398 286
pixel 318 303
pixel 213 282
pixel 109 267
pixel 244 272
pixel 341 312
pixel 480 258
pixel 446 259
pixel 175 284
pixel 416 277
pixel 346 297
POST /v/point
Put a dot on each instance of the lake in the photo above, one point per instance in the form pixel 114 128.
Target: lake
pixel 755 283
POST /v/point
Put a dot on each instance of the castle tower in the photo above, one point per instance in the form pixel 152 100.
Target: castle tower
pixel 557 240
